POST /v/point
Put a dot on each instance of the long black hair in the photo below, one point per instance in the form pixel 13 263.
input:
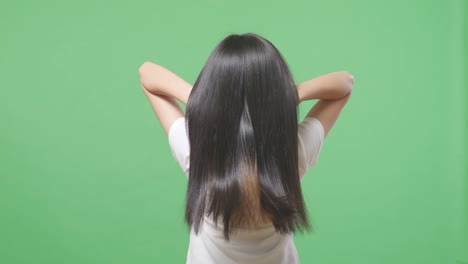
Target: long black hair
pixel 242 126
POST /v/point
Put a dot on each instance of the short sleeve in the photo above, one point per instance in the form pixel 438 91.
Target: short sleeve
pixel 179 144
pixel 310 141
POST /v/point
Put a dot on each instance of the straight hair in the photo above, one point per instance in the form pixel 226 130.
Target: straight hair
pixel 241 118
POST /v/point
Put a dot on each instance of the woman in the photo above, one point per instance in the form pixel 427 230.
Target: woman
pixel 242 149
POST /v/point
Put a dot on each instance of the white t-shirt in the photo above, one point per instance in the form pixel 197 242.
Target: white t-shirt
pixel 263 245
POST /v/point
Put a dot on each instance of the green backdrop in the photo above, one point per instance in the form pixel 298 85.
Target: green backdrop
pixel 87 175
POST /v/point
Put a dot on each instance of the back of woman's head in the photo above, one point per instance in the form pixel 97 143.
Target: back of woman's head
pixel 242 126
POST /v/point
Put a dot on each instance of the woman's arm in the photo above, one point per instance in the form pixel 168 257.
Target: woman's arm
pixel 333 91
pixel 158 80
pixel 162 87
pixel 330 86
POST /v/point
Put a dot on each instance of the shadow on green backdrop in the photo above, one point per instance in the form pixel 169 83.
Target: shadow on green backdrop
pixel 86 173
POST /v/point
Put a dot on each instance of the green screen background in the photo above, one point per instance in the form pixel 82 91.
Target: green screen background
pixel 87 175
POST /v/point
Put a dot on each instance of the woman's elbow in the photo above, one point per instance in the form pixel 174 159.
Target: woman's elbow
pixel 349 81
